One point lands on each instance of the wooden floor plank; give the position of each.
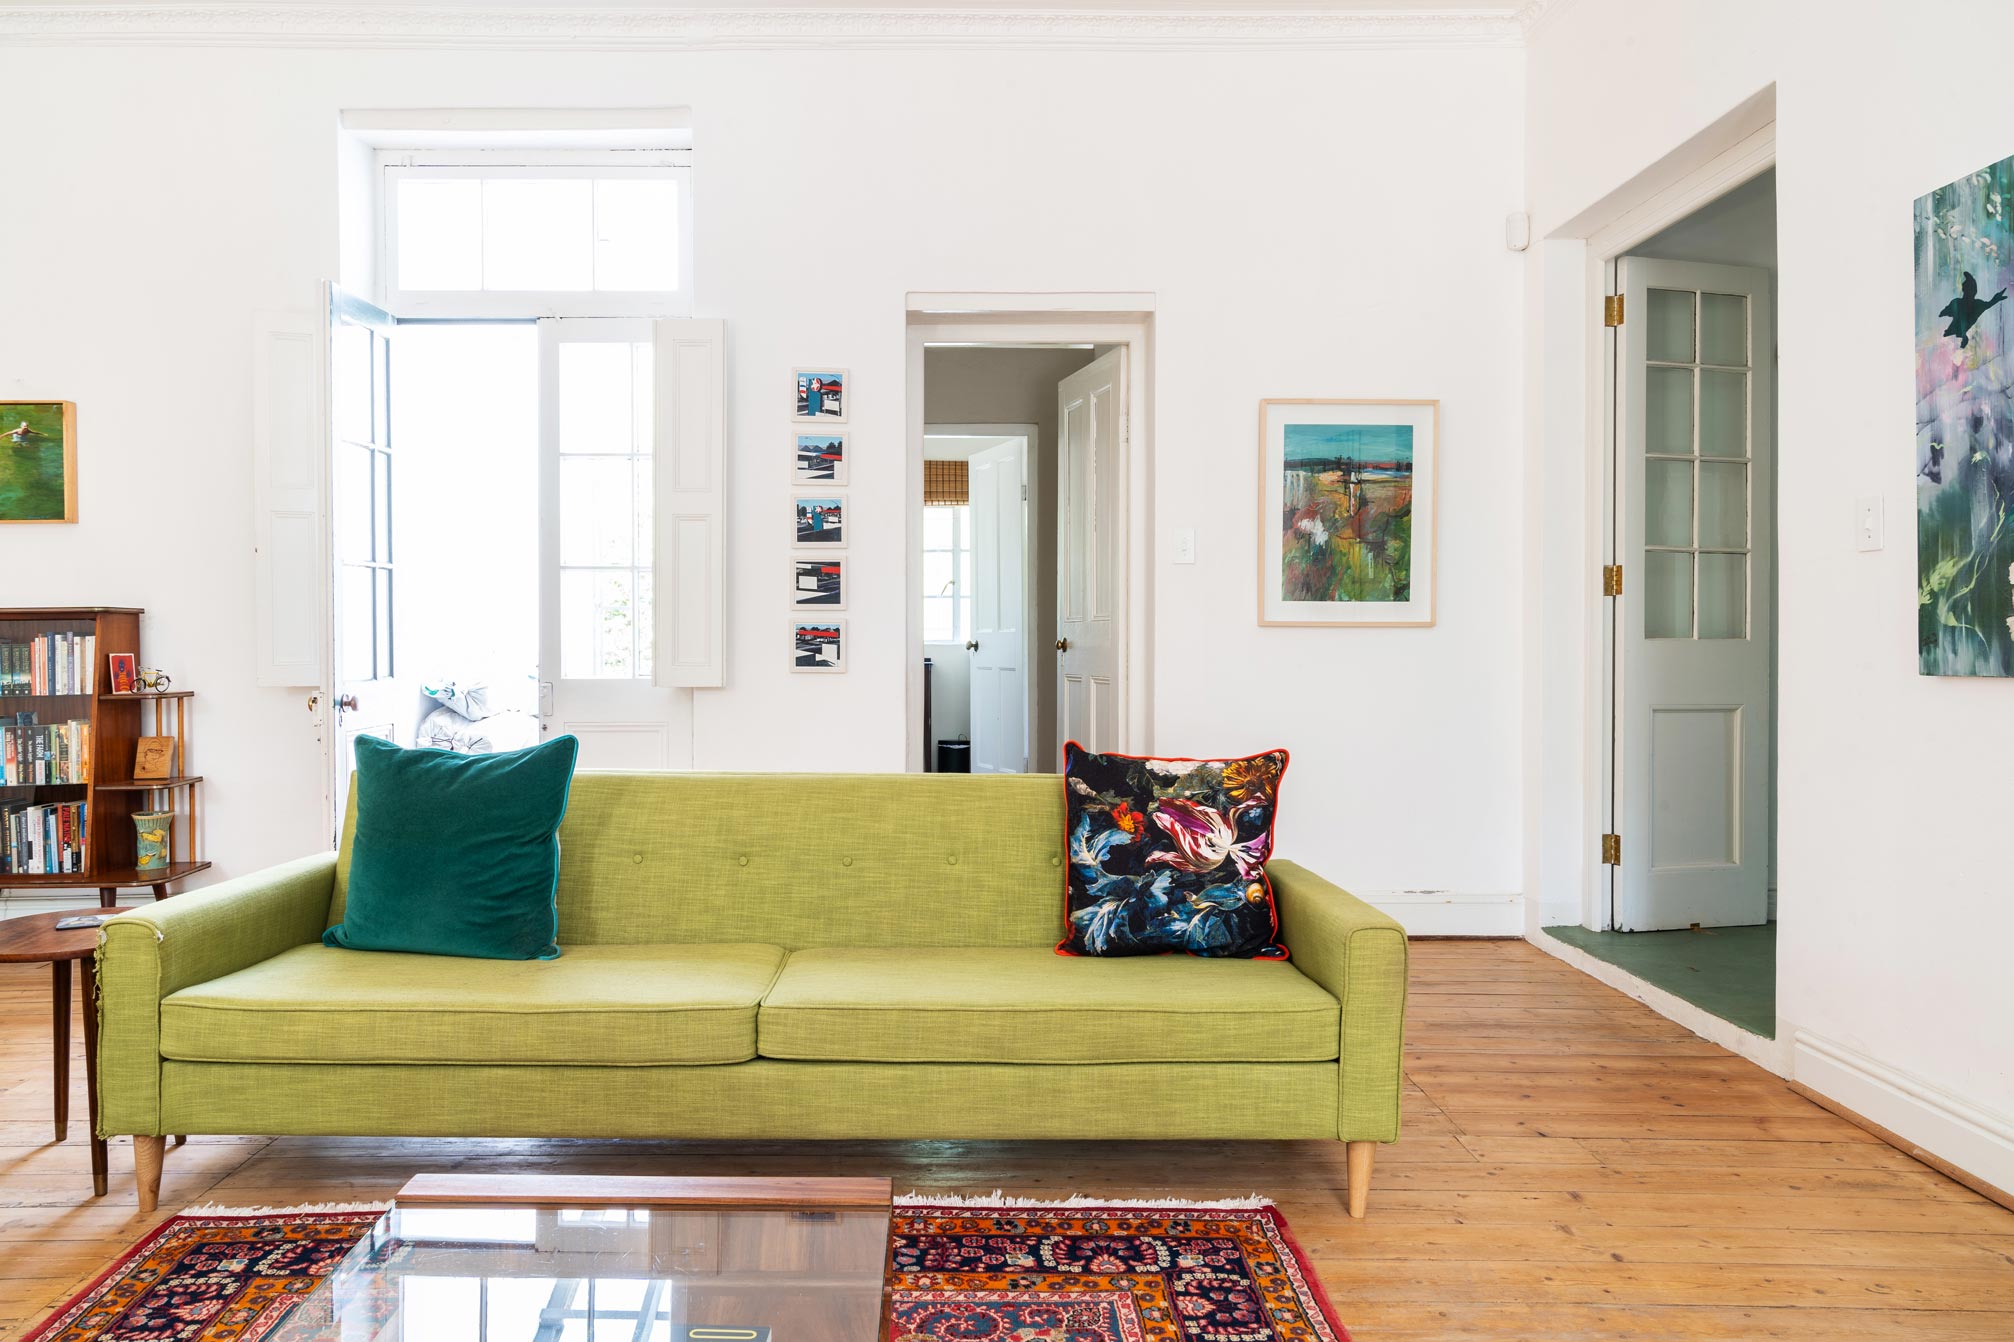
(1574, 1167)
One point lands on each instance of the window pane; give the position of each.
(355, 507)
(440, 234)
(350, 381)
(1667, 595)
(1723, 596)
(1723, 413)
(642, 421)
(538, 233)
(1669, 326)
(381, 506)
(596, 624)
(938, 528)
(1723, 329)
(646, 623)
(939, 620)
(643, 551)
(1668, 411)
(595, 397)
(635, 235)
(1667, 503)
(937, 573)
(1723, 509)
(596, 521)
(385, 667)
(360, 626)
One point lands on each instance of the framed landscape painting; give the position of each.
(1346, 511)
(1965, 427)
(38, 461)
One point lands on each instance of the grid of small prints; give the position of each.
(821, 458)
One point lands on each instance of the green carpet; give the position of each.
(1730, 971)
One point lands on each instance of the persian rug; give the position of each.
(965, 1270)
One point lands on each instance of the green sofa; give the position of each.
(755, 956)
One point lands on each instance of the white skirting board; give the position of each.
(1446, 913)
(1954, 1130)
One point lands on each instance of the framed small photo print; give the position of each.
(818, 583)
(821, 521)
(821, 459)
(818, 645)
(124, 671)
(821, 395)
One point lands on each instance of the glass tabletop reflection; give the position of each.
(606, 1274)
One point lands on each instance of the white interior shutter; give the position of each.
(691, 520)
(290, 486)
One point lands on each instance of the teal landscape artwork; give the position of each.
(1965, 426)
(1347, 513)
(38, 461)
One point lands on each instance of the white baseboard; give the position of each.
(1773, 1054)
(1444, 913)
(1948, 1126)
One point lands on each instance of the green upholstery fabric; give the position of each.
(456, 854)
(162, 948)
(762, 1100)
(797, 860)
(621, 1006)
(1359, 955)
(1030, 1005)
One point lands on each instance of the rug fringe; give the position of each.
(998, 1198)
(298, 1209)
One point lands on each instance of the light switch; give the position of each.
(1185, 545)
(1867, 522)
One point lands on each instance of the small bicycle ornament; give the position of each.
(152, 680)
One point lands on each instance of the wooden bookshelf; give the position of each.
(115, 723)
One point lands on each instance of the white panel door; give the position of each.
(999, 637)
(1091, 436)
(1694, 536)
(598, 555)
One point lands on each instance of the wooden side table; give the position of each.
(34, 938)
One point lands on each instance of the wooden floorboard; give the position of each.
(1574, 1167)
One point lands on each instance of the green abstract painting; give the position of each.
(38, 461)
(1965, 426)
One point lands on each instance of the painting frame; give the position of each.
(807, 479)
(803, 609)
(1422, 416)
(822, 538)
(845, 397)
(64, 414)
(798, 625)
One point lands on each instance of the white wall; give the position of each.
(1894, 915)
(1312, 223)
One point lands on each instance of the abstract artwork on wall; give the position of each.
(818, 645)
(821, 395)
(38, 461)
(821, 521)
(818, 583)
(1346, 511)
(1965, 426)
(821, 459)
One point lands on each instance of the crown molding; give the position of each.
(681, 29)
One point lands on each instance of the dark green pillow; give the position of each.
(456, 854)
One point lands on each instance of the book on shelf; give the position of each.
(57, 663)
(38, 754)
(42, 840)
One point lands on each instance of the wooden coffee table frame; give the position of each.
(33, 938)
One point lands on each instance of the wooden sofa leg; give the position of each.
(147, 1153)
(1360, 1176)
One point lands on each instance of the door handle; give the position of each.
(1062, 645)
(972, 645)
(314, 702)
(346, 703)
(545, 698)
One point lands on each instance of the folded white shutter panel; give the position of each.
(290, 573)
(690, 586)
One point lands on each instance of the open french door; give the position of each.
(1694, 537)
(631, 545)
(1091, 432)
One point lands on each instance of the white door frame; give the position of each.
(1031, 435)
(1022, 320)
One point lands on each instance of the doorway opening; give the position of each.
(1690, 851)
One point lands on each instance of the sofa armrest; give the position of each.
(1359, 955)
(147, 953)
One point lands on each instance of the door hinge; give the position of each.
(1611, 580)
(1611, 310)
(1611, 850)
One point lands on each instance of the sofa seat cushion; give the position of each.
(641, 1005)
(1033, 1006)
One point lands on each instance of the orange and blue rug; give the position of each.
(983, 1270)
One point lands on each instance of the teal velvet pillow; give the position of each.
(456, 854)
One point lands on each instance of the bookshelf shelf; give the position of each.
(58, 715)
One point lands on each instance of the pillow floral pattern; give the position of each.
(1170, 855)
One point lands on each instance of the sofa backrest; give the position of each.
(800, 860)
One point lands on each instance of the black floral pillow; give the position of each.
(1170, 855)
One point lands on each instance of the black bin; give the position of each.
(954, 757)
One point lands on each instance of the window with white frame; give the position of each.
(947, 573)
(511, 233)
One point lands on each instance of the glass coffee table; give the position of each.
(487, 1258)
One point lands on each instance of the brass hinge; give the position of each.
(1611, 850)
(1611, 310)
(1611, 580)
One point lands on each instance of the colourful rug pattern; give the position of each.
(962, 1274)
(1103, 1274)
(214, 1278)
